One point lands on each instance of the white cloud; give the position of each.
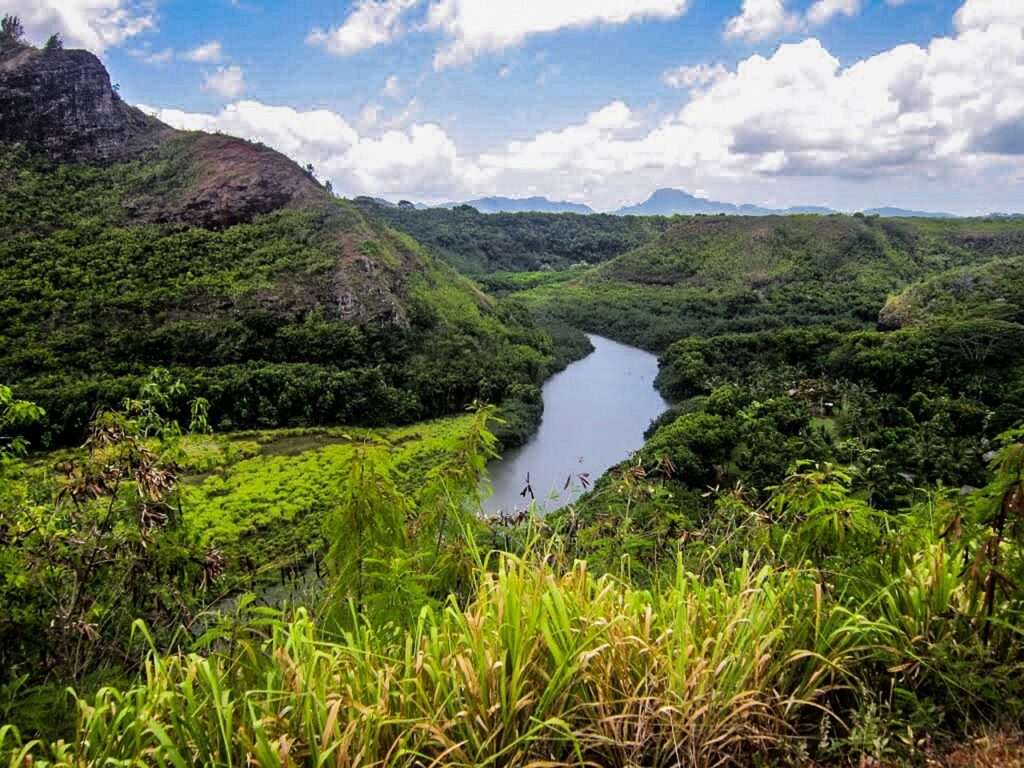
(228, 82)
(421, 161)
(371, 23)
(475, 27)
(393, 87)
(590, 147)
(760, 20)
(149, 56)
(823, 11)
(694, 76)
(207, 52)
(91, 24)
(950, 111)
(977, 14)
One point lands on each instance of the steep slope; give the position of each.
(63, 102)
(130, 246)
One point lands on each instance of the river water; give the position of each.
(595, 414)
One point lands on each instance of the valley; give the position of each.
(293, 479)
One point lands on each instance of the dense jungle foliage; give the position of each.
(481, 243)
(311, 316)
(812, 625)
(817, 556)
(888, 415)
(710, 275)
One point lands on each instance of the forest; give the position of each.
(244, 456)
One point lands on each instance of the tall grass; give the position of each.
(539, 668)
(841, 640)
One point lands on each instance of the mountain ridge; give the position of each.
(668, 201)
(535, 204)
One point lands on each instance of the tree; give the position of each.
(13, 414)
(55, 43)
(11, 29)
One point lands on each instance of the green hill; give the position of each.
(994, 290)
(479, 244)
(708, 275)
(129, 246)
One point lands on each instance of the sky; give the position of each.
(851, 104)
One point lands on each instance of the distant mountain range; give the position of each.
(522, 205)
(670, 202)
(903, 213)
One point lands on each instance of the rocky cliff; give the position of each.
(61, 102)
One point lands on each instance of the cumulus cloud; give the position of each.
(588, 146)
(824, 11)
(155, 58)
(761, 20)
(951, 110)
(421, 160)
(935, 109)
(766, 19)
(92, 24)
(205, 53)
(977, 14)
(371, 23)
(694, 76)
(228, 82)
(475, 27)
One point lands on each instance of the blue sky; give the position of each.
(848, 103)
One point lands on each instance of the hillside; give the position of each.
(478, 244)
(707, 275)
(994, 290)
(129, 245)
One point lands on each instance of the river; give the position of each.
(595, 415)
